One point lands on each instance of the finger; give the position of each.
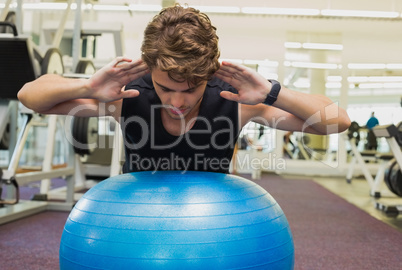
(124, 65)
(130, 93)
(133, 64)
(122, 62)
(115, 61)
(236, 74)
(232, 67)
(138, 73)
(230, 96)
(119, 59)
(135, 68)
(231, 78)
(223, 73)
(228, 79)
(228, 69)
(142, 67)
(226, 75)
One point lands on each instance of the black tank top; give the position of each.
(207, 146)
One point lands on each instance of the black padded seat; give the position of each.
(16, 65)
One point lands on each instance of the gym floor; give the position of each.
(329, 232)
(357, 193)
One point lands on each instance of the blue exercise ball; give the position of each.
(176, 220)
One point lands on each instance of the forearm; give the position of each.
(51, 90)
(302, 112)
(317, 112)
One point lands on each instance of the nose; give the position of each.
(177, 100)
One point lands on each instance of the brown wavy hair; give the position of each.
(182, 42)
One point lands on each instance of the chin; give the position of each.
(177, 117)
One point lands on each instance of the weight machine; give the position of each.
(390, 172)
(365, 160)
(24, 62)
(381, 187)
(294, 146)
(17, 62)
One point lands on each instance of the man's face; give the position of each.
(179, 98)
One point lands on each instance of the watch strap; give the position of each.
(273, 94)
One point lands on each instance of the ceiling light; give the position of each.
(380, 85)
(302, 84)
(313, 65)
(237, 61)
(218, 9)
(221, 9)
(392, 85)
(145, 7)
(151, 8)
(366, 79)
(322, 46)
(366, 66)
(110, 7)
(280, 11)
(359, 13)
(265, 63)
(333, 85)
(370, 85)
(334, 78)
(360, 93)
(293, 45)
(394, 66)
(314, 46)
(272, 76)
(358, 79)
(382, 92)
(385, 78)
(45, 6)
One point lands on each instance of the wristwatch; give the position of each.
(273, 94)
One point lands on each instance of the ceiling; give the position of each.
(262, 36)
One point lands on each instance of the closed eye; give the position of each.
(188, 91)
(166, 90)
(191, 90)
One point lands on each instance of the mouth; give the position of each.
(177, 111)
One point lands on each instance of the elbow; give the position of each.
(340, 126)
(340, 121)
(344, 122)
(22, 95)
(344, 125)
(25, 97)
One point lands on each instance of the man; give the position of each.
(372, 122)
(181, 109)
(372, 143)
